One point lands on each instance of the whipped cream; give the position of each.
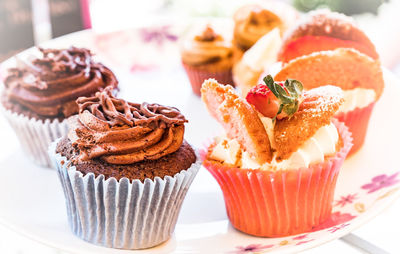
(357, 98)
(269, 128)
(264, 52)
(314, 150)
(227, 151)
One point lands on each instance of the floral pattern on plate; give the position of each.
(140, 50)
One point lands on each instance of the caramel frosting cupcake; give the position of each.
(207, 54)
(253, 21)
(39, 95)
(131, 157)
(208, 48)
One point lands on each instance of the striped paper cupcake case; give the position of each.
(35, 135)
(124, 214)
(282, 202)
(197, 77)
(357, 121)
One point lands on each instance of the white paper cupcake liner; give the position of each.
(35, 135)
(122, 214)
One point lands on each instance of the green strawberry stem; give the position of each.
(288, 98)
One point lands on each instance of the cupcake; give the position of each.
(40, 95)
(207, 54)
(314, 46)
(125, 169)
(324, 30)
(357, 74)
(253, 21)
(278, 162)
(260, 57)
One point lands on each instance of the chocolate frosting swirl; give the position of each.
(49, 86)
(207, 47)
(251, 23)
(120, 132)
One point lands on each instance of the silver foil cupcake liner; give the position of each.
(36, 135)
(122, 214)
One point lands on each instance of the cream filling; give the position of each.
(314, 150)
(226, 150)
(357, 98)
(264, 52)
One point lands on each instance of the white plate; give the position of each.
(32, 201)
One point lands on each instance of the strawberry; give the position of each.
(276, 100)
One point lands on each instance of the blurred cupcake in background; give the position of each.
(207, 53)
(39, 95)
(325, 30)
(359, 76)
(329, 48)
(125, 169)
(253, 21)
(260, 57)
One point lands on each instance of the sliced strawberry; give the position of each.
(276, 100)
(264, 101)
(308, 44)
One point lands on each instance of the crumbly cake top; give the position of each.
(317, 109)
(343, 67)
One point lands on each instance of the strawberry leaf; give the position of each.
(294, 87)
(288, 95)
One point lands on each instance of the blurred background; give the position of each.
(25, 23)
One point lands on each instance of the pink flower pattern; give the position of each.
(336, 228)
(300, 237)
(344, 200)
(381, 181)
(335, 219)
(158, 35)
(303, 242)
(251, 248)
(141, 68)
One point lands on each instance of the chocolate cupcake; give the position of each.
(125, 169)
(40, 95)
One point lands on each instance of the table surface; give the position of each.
(383, 231)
